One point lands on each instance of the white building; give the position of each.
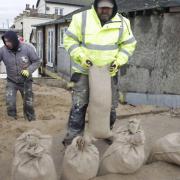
(29, 17)
(59, 7)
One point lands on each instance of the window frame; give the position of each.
(50, 47)
(40, 44)
(59, 11)
(62, 31)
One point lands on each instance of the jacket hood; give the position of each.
(13, 38)
(115, 8)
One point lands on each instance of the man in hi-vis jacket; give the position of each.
(98, 36)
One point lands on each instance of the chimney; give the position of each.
(27, 7)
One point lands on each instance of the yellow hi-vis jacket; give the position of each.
(87, 39)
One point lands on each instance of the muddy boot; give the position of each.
(12, 118)
(76, 123)
(109, 140)
(29, 113)
(29, 118)
(69, 138)
(11, 114)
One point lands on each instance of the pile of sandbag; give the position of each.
(81, 160)
(167, 149)
(32, 160)
(126, 154)
(100, 98)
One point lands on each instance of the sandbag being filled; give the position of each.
(100, 99)
(81, 160)
(126, 154)
(32, 160)
(167, 149)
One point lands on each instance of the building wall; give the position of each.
(27, 25)
(2, 66)
(17, 23)
(67, 8)
(63, 58)
(155, 66)
(42, 7)
(51, 8)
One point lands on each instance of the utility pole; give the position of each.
(22, 29)
(7, 23)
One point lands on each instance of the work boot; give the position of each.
(69, 138)
(109, 140)
(29, 117)
(76, 123)
(12, 118)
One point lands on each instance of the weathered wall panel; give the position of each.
(155, 66)
(130, 5)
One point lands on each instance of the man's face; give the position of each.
(104, 13)
(8, 43)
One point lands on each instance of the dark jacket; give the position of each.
(15, 61)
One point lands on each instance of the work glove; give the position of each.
(86, 64)
(25, 73)
(114, 68)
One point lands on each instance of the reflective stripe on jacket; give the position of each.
(87, 39)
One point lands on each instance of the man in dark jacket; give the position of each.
(21, 61)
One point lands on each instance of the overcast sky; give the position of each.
(11, 8)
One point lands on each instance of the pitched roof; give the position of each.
(69, 2)
(63, 19)
(133, 5)
(123, 6)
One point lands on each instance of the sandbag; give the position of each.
(126, 154)
(100, 99)
(32, 160)
(167, 149)
(81, 160)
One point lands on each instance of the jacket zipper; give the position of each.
(16, 67)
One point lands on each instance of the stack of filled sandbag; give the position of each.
(32, 160)
(81, 160)
(126, 154)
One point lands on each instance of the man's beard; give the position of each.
(104, 17)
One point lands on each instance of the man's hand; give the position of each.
(114, 68)
(25, 73)
(86, 64)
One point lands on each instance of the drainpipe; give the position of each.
(22, 29)
(44, 51)
(56, 48)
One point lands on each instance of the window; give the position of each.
(61, 36)
(59, 11)
(56, 11)
(51, 47)
(40, 44)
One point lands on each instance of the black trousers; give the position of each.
(27, 95)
